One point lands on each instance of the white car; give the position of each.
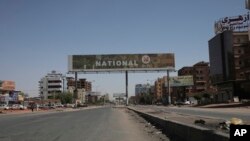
(187, 102)
(4, 107)
(18, 107)
(21, 107)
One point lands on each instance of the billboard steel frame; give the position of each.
(141, 65)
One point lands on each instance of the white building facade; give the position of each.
(51, 84)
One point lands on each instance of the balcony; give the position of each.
(200, 88)
(54, 84)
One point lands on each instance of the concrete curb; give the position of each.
(177, 131)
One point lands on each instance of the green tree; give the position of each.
(21, 93)
(197, 97)
(148, 98)
(65, 97)
(206, 95)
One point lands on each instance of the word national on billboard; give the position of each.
(121, 62)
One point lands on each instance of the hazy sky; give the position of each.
(36, 36)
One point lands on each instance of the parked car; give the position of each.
(69, 105)
(59, 105)
(187, 102)
(4, 107)
(159, 104)
(18, 107)
(52, 106)
(182, 103)
(44, 106)
(82, 105)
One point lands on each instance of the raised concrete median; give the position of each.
(178, 131)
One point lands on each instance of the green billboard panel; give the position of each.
(180, 81)
(121, 62)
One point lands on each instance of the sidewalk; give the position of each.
(17, 112)
(13, 112)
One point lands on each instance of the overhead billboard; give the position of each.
(180, 81)
(120, 62)
(119, 95)
(234, 23)
(7, 85)
(13, 96)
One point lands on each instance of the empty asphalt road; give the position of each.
(100, 124)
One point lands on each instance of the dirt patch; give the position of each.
(152, 132)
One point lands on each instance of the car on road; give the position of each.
(4, 107)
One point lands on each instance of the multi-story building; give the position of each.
(160, 89)
(142, 89)
(201, 76)
(51, 84)
(229, 54)
(241, 51)
(185, 71)
(6, 86)
(83, 86)
(200, 72)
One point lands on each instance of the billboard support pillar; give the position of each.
(75, 91)
(126, 77)
(169, 90)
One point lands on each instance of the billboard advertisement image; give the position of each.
(180, 81)
(121, 62)
(7, 85)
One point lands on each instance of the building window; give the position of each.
(239, 51)
(237, 40)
